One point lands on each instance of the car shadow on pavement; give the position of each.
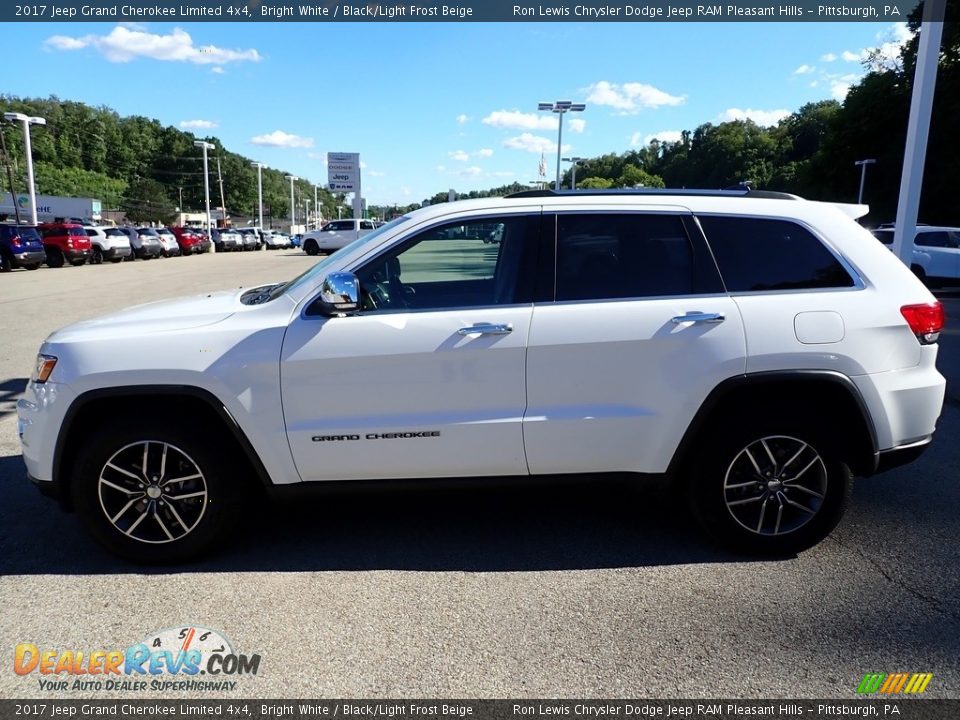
(570, 525)
(10, 390)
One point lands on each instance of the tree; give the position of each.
(595, 183)
(146, 200)
(634, 176)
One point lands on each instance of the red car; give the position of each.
(65, 242)
(191, 240)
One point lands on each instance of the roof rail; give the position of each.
(743, 192)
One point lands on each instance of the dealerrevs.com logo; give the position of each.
(183, 658)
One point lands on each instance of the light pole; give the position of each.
(206, 189)
(863, 175)
(560, 107)
(316, 205)
(259, 167)
(306, 218)
(292, 178)
(27, 121)
(573, 170)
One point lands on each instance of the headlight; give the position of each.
(45, 365)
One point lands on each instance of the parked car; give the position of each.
(755, 349)
(65, 242)
(276, 240)
(145, 246)
(295, 240)
(935, 255)
(334, 235)
(252, 237)
(20, 247)
(227, 240)
(190, 240)
(107, 243)
(168, 242)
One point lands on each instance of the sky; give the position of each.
(437, 106)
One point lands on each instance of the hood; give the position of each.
(156, 317)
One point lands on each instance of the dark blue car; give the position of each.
(20, 246)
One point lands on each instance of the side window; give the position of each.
(366, 225)
(758, 254)
(604, 256)
(453, 266)
(933, 239)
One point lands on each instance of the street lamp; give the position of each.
(560, 107)
(573, 170)
(206, 188)
(27, 121)
(292, 178)
(863, 175)
(316, 206)
(259, 167)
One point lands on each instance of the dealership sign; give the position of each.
(343, 172)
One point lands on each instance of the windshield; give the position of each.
(320, 268)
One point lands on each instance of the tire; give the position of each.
(310, 247)
(31, 266)
(759, 506)
(97, 257)
(54, 258)
(6, 264)
(78, 263)
(117, 260)
(141, 516)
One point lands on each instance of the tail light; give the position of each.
(15, 241)
(925, 321)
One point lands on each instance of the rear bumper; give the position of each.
(33, 257)
(895, 457)
(71, 255)
(116, 252)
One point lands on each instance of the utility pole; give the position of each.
(223, 203)
(206, 188)
(259, 167)
(6, 161)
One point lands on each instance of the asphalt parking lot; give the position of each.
(583, 590)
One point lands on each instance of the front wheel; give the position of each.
(54, 258)
(153, 494)
(769, 489)
(310, 247)
(97, 257)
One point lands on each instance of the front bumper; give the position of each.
(895, 457)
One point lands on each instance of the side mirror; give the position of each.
(339, 295)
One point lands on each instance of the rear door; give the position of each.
(637, 330)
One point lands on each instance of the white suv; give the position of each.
(935, 255)
(757, 348)
(335, 235)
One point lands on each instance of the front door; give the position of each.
(428, 380)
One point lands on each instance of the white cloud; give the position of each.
(763, 118)
(839, 90)
(462, 119)
(464, 156)
(459, 155)
(502, 173)
(483, 153)
(533, 143)
(804, 70)
(664, 136)
(125, 43)
(630, 98)
(472, 171)
(892, 41)
(198, 124)
(278, 138)
(376, 173)
(217, 70)
(852, 57)
(829, 57)
(516, 120)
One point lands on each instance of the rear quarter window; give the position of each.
(757, 254)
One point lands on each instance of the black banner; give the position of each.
(457, 11)
(900, 708)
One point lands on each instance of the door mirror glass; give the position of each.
(339, 294)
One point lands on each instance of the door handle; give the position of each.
(698, 317)
(486, 329)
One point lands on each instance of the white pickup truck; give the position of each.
(335, 234)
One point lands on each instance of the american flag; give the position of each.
(543, 166)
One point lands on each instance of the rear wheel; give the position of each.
(97, 257)
(769, 488)
(54, 258)
(310, 247)
(78, 263)
(31, 266)
(154, 494)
